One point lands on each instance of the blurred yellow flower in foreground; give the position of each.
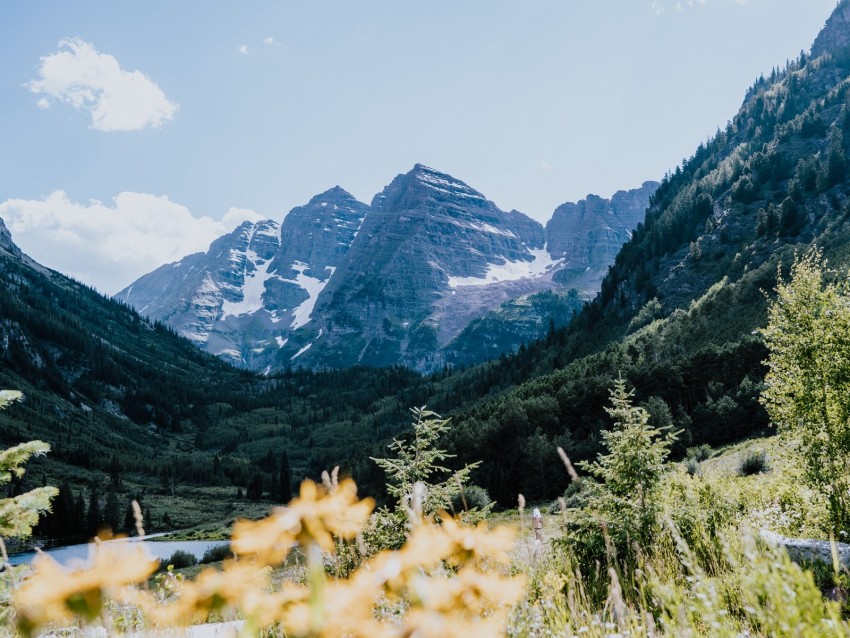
(441, 580)
(53, 593)
(316, 516)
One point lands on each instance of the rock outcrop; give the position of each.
(835, 36)
(587, 235)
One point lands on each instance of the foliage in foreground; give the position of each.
(447, 580)
(808, 384)
(19, 514)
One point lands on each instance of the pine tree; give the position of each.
(419, 462)
(112, 511)
(632, 469)
(255, 488)
(285, 478)
(94, 518)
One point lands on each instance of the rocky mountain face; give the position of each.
(587, 235)
(242, 298)
(6, 243)
(775, 180)
(340, 283)
(432, 254)
(834, 38)
(514, 323)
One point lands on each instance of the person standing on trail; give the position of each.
(537, 524)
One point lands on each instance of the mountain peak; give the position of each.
(422, 183)
(835, 35)
(433, 177)
(6, 242)
(335, 194)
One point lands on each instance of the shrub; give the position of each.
(181, 559)
(699, 453)
(473, 497)
(691, 466)
(754, 463)
(217, 553)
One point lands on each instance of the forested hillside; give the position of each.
(677, 312)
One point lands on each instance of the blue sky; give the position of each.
(133, 133)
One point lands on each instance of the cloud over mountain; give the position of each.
(118, 100)
(111, 244)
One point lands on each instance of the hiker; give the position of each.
(537, 524)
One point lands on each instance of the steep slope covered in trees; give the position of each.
(677, 310)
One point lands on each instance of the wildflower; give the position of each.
(314, 517)
(53, 593)
(212, 590)
(470, 591)
(478, 543)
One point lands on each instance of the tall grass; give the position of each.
(706, 571)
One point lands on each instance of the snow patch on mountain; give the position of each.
(302, 314)
(446, 184)
(253, 287)
(300, 352)
(541, 263)
(487, 228)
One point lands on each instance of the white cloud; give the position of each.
(270, 41)
(111, 245)
(243, 49)
(118, 100)
(546, 166)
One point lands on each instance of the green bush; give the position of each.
(699, 453)
(473, 497)
(181, 559)
(217, 553)
(754, 463)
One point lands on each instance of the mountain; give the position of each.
(340, 283)
(242, 298)
(587, 235)
(129, 406)
(432, 254)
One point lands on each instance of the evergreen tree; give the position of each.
(255, 488)
(129, 521)
(285, 478)
(418, 461)
(112, 511)
(94, 517)
(632, 468)
(62, 518)
(19, 514)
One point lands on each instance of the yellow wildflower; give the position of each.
(238, 586)
(53, 593)
(316, 516)
(478, 543)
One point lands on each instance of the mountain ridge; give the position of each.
(393, 282)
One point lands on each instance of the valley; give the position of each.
(664, 373)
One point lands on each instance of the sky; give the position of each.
(134, 133)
